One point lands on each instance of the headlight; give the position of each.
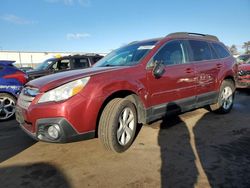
(241, 73)
(65, 91)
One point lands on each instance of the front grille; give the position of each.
(26, 97)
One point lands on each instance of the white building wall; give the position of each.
(32, 59)
(28, 58)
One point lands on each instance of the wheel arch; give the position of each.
(126, 94)
(9, 93)
(231, 78)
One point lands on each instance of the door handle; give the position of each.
(219, 66)
(189, 70)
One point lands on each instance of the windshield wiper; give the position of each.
(107, 65)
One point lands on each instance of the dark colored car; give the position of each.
(243, 80)
(54, 65)
(26, 69)
(11, 82)
(138, 83)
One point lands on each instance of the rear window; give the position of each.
(201, 50)
(221, 51)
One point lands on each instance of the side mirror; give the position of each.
(159, 69)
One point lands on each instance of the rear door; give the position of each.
(207, 67)
(175, 89)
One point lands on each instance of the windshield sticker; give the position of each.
(148, 47)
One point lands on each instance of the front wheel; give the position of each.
(225, 99)
(117, 125)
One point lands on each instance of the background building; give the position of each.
(32, 59)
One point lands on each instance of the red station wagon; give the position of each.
(138, 83)
(243, 79)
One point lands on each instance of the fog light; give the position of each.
(54, 131)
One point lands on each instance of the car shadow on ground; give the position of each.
(33, 175)
(243, 91)
(211, 151)
(222, 144)
(12, 140)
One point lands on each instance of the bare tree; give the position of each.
(246, 45)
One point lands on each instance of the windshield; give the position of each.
(127, 55)
(44, 65)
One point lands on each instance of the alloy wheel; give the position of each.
(227, 97)
(7, 108)
(126, 126)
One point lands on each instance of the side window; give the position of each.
(79, 63)
(63, 64)
(54, 66)
(221, 51)
(201, 50)
(172, 53)
(1, 68)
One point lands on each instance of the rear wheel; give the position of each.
(225, 98)
(117, 125)
(7, 106)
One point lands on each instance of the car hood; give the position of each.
(49, 82)
(244, 67)
(33, 71)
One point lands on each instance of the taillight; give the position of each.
(20, 76)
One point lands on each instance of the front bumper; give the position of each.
(243, 83)
(67, 132)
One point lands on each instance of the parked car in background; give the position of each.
(26, 69)
(138, 83)
(11, 81)
(54, 65)
(243, 59)
(243, 80)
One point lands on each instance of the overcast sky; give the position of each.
(102, 25)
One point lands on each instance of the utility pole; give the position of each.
(20, 60)
(31, 60)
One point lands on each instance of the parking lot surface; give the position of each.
(195, 149)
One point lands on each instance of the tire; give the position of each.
(225, 99)
(115, 131)
(7, 106)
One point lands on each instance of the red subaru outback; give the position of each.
(243, 80)
(138, 83)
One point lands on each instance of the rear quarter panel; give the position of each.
(229, 71)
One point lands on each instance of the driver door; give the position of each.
(176, 88)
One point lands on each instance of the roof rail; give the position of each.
(186, 34)
(91, 54)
